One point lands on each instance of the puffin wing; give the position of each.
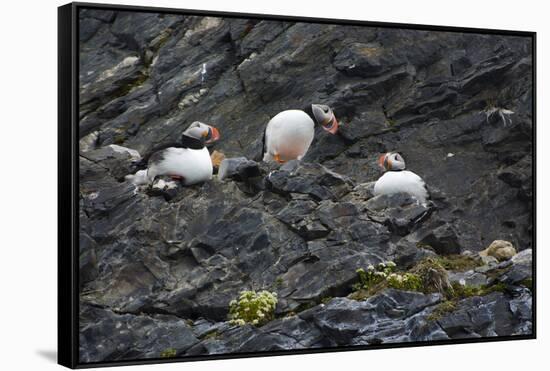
(153, 153)
(156, 153)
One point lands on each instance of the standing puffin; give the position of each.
(397, 179)
(188, 161)
(289, 134)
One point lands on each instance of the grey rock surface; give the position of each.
(158, 267)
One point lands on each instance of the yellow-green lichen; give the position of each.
(168, 353)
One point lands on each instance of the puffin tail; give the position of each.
(139, 178)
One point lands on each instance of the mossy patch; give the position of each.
(444, 308)
(428, 276)
(168, 353)
(127, 88)
(458, 263)
(528, 282)
(468, 291)
(211, 335)
(326, 299)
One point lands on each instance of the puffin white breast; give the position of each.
(289, 135)
(194, 165)
(402, 181)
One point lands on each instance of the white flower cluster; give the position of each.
(251, 307)
(374, 275)
(385, 272)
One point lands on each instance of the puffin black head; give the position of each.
(325, 117)
(391, 161)
(201, 132)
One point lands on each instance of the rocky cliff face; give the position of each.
(158, 266)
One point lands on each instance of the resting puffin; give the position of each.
(289, 134)
(397, 179)
(188, 161)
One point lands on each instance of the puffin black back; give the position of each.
(228, 179)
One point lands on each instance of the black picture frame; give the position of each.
(68, 173)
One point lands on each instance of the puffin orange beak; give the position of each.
(382, 160)
(332, 126)
(214, 135)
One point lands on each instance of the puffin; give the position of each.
(187, 160)
(396, 179)
(289, 134)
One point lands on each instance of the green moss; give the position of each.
(360, 295)
(119, 139)
(405, 281)
(279, 282)
(528, 282)
(125, 89)
(444, 308)
(459, 263)
(253, 308)
(326, 299)
(212, 335)
(168, 353)
(304, 306)
(162, 38)
(468, 291)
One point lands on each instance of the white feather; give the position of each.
(289, 134)
(194, 165)
(138, 178)
(401, 181)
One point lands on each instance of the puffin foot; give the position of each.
(278, 159)
(177, 177)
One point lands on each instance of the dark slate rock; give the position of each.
(485, 316)
(88, 269)
(443, 240)
(118, 161)
(399, 211)
(239, 168)
(113, 337)
(517, 269)
(308, 178)
(384, 318)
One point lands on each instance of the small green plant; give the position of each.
(168, 353)
(405, 281)
(253, 308)
(442, 309)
